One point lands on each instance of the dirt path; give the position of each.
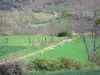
(46, 49)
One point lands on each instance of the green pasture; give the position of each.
(20, 45)
(43, 16)
(40, 25)
(68, 72)
(21, 40)
(74, 50)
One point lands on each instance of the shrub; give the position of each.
(40, 64)
(91, 65)
(46, 64)
(98, 21)
(65, 33)
(70, 64)
(61, 34)
(29, 66)
(54, 64)
(13, 68)
(8, 33)
(66, 63)
(77, 65)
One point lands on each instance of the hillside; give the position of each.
(37, 5)
(49, 37)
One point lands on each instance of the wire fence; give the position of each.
(28, 41)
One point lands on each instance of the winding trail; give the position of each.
(46, 49)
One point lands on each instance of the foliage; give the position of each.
(8, 33)
(61, 34)
(12, 68)
(98, 21)
(64, 13)
(65, 33)
(70, 64)
(91, 65)
(50, 64)
(23, 22)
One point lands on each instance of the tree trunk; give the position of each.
(86, 46)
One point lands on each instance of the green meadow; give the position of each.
(74, 49)
(20, 45)
(23, 45)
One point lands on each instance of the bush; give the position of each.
(91, 65)
(66, 63)
(14, 68)
(61, 34)
(64, 33)
(98, 21)
(46, 64)
(77, 65)
(8, 33)
(54, 64)
(70, 64)
(30, 66)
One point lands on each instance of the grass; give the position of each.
(74, 50)
(43, 16)
(19, 45)
(44, 24)
(68, 72)
(10, 49)
(20, 40)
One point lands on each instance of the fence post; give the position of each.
(45, 39)
(29, 40)
(52, 39)
(42, 41)
(6, 40)
(38, 39)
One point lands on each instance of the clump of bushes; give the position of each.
(98, 21)
(91, 65)
(50, 64)
(61, 34)
(67, 33)
(12, 68)
(8, 33)
(70, 64)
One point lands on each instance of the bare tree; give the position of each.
(94, 29)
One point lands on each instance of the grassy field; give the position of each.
(43, 16)
(20, 40)
(68, 72)
(74, 50)
(40, 25)
(20, 45)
